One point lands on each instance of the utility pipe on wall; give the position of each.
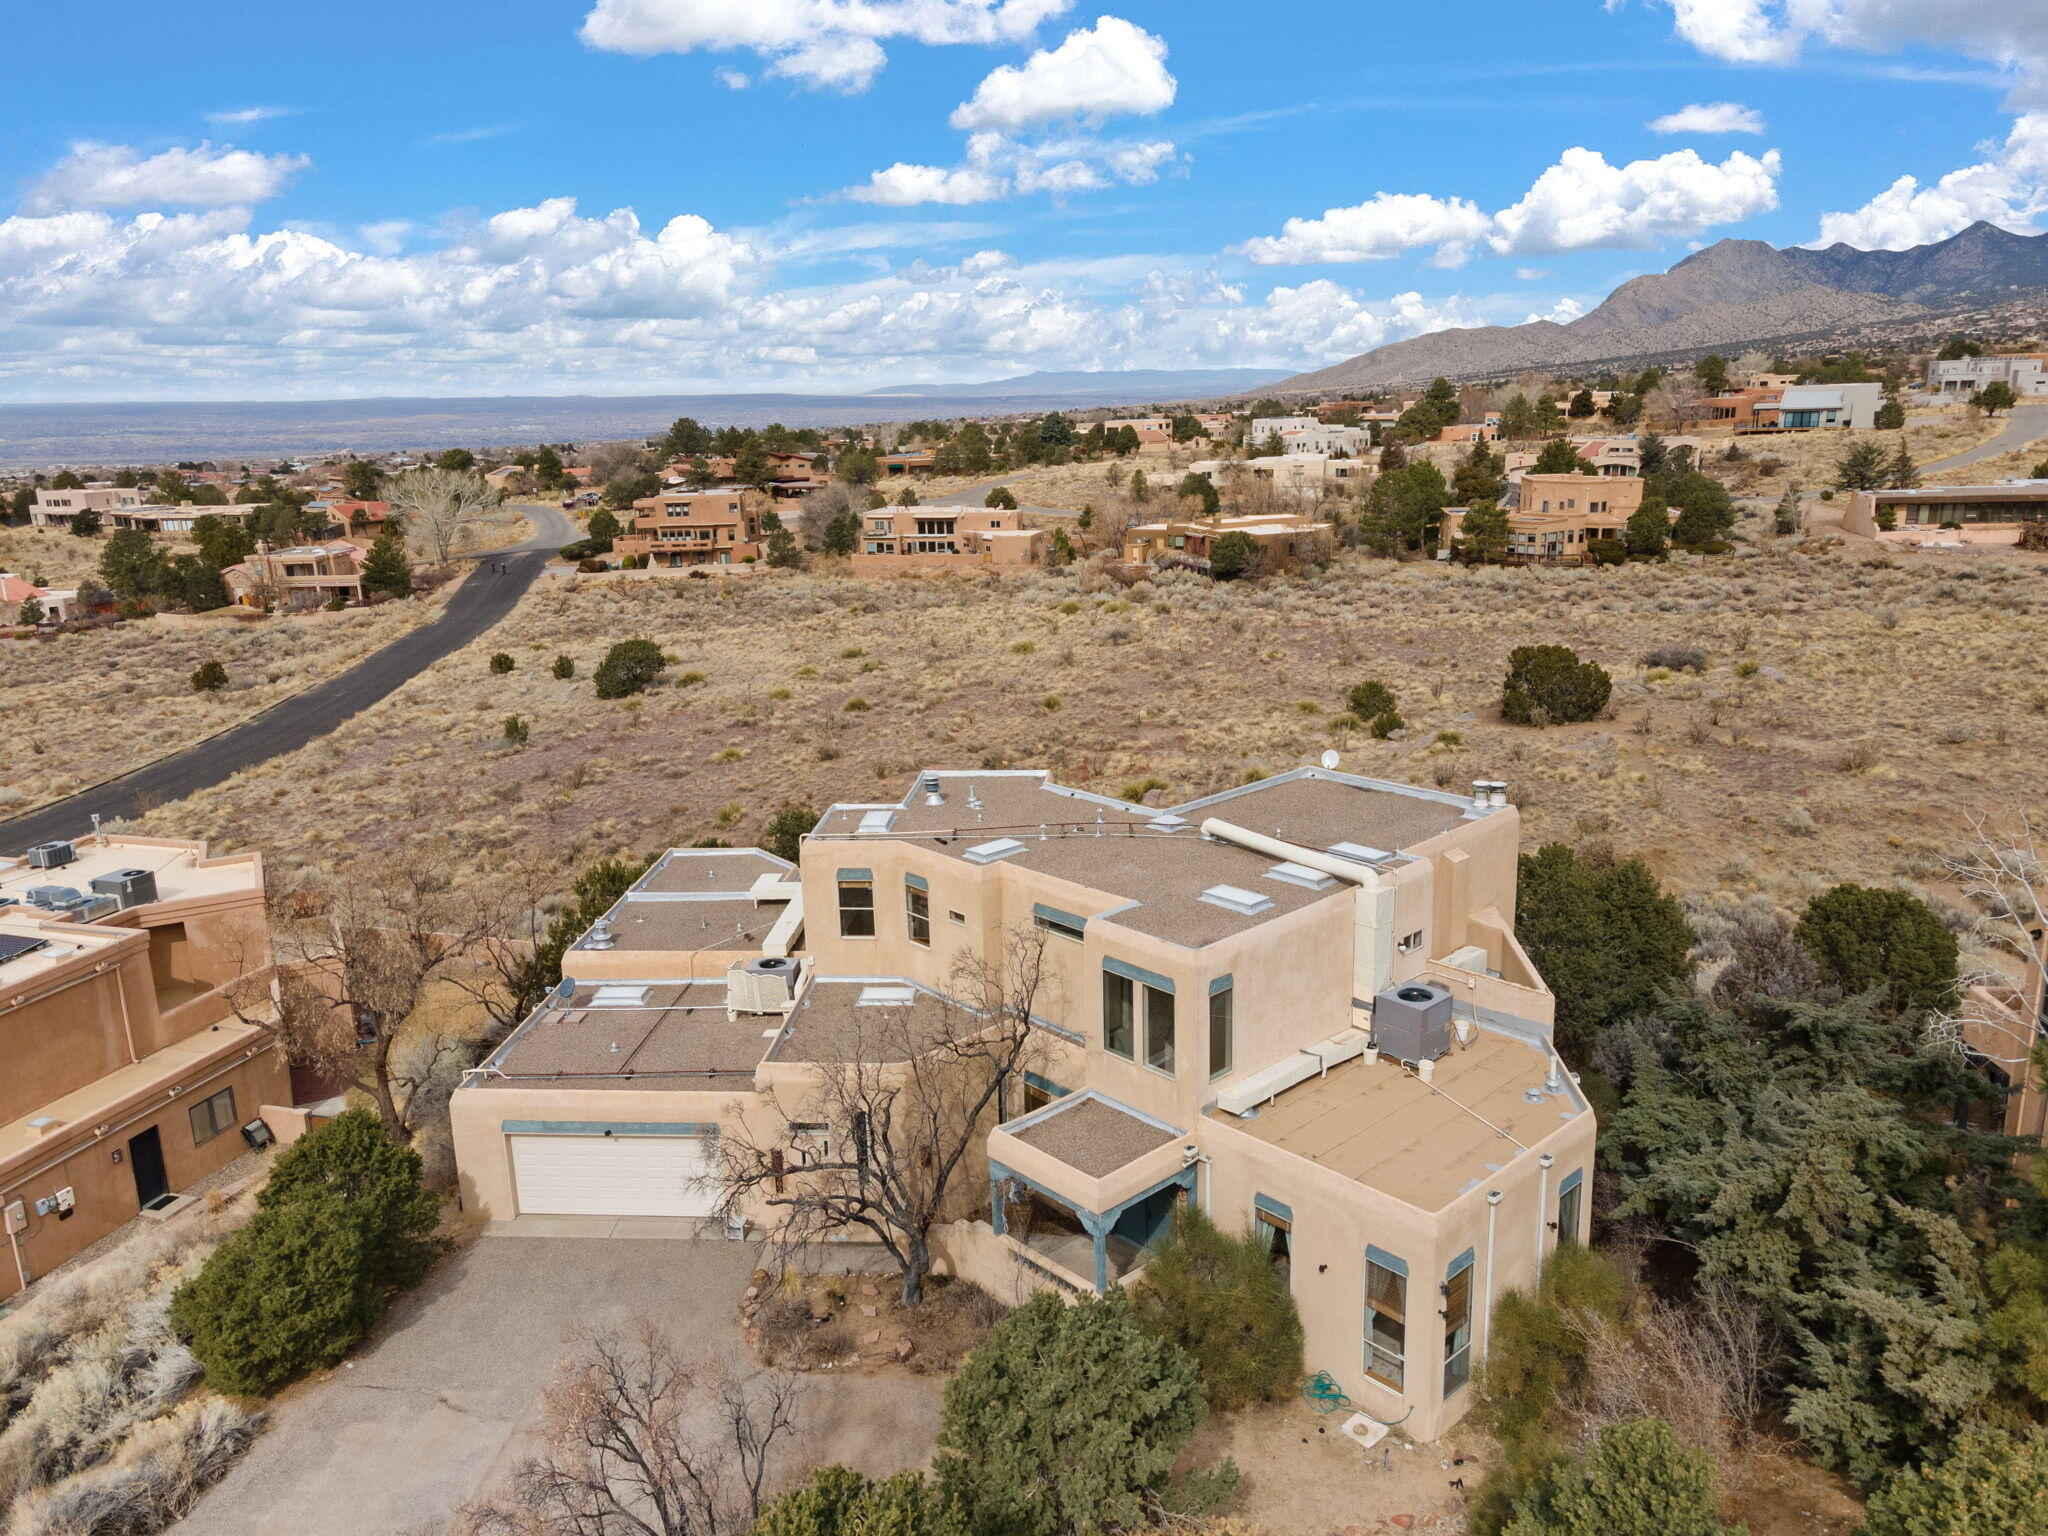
(1542, 1204)
(1486, 1298)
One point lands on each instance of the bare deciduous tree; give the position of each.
(442, 509)
(354, 956)
(908, 1098)
(635, 1440)
(2003, 871)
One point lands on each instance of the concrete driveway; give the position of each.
(2024, 424)
(436, 1411)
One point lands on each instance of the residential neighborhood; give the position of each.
(983, 768)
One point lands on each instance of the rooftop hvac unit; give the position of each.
(51, 855)
(128, 887)
(54, 898)
(90, 908)
(1412, 1022)
(764, 985)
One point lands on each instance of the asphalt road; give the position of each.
(2025, 424)
(490, 592)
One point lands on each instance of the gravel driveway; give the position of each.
(433, 1413)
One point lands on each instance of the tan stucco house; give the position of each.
(1299, 1003)
(124, 1075)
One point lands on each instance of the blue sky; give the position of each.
(614, 196)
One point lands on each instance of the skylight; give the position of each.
(1359, 852)
(876, 821)
(1291, 873)
(887, 996)
(618, 997)
(988, 853)
(1233, 898)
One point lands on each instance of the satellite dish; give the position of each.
(1329, 757)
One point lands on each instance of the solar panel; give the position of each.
(13, 946)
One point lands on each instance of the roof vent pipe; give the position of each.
(931, 790)
(1497, 793)
(1481, 789)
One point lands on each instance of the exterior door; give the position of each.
(624, 1175)
(146, 1161)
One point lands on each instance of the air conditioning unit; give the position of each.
(89, 909)
(128, 887)
(1411, 1022)
(765, 985)
(54, 898)
(51, 855)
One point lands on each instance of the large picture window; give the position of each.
(1386, 1318)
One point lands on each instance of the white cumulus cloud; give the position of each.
(1709, 117)
(2011, 34)
(546, 297)
(2008, 187)
(829, 43)
(1581, 203)
(903, 186)
(117, 176)
(243, 115)
(1112, 68)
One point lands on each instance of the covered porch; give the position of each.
(1086, 1186)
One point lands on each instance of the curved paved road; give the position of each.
(486, 597)
(2026, 424)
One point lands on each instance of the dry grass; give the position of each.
(50, 557)
(1808, 459)
(102, 1426)
(1851, 714)
(82, 707)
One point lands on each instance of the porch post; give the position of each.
(1097, 1226)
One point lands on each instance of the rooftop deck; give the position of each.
(1422, 1143)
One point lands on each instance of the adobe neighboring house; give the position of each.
(1263, 427)
(681, 528)
(59, 604)
(900, 539)
(506, 477)
(1736, 409)
(1307, 475)
(1487, 431)
(303, 577)
(127, 1076)
(1949, 514)
(1958, 378)
(1279, 535)
(369, 517)
(911, 462)
(1556, 518)
(1299, 1003)
(793, 476)
(55, 509)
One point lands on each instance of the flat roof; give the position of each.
(2008, 490)
(1094, 1135)
(677, 1037)
(1423, 1143)
(691, 925)
(53, 943)
(87, 1105)
(712, 870)
(1154, 864)
(181, 869)
(868, 1018)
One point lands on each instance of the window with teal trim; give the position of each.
(1568, 1195)
(1119, 1004)
(1458, 1323)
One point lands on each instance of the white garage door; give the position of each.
(621, 1175)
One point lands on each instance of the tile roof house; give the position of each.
(1299, 1002)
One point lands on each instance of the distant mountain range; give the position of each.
(1738, 293)
(1127, 387)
